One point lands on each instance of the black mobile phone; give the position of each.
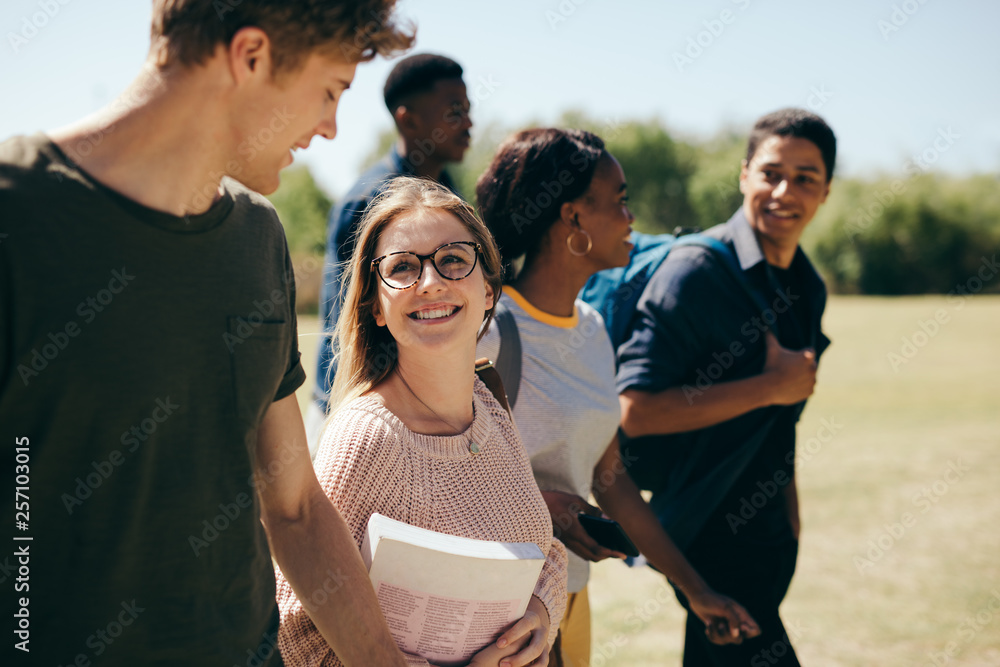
(608, 534)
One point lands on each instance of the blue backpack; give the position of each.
(688, 478)
(615, 293)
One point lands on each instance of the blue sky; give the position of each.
(888, 75)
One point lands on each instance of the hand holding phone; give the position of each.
(608, 534)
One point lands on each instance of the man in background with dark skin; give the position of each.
(149, 357)
(427, 98)
(713, 380)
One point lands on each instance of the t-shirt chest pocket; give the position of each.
(258, 351)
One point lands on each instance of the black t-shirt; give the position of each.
(139, 352)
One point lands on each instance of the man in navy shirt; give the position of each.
(427, 98)
(715, 375)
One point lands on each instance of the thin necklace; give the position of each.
(473, 447)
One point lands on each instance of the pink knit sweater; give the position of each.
(370, 462)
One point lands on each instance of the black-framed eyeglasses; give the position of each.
(452, 261)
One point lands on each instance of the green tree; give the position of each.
(897, 234)
(485, 141)
(656, 167)
(925, 234)
(714, 186)
(303, 209)
(385, 140)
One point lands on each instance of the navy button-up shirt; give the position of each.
(695, 326)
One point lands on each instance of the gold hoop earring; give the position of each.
(569, 243)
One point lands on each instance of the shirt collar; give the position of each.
(750, 254)
(745, 242)
(402, 166)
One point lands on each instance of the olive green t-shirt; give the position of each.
(139, 352)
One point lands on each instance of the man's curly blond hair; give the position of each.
(187, 32)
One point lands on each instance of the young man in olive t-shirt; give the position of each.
(148, 355)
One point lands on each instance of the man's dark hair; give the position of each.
(417, 74)
(521, 193)
(799, 123)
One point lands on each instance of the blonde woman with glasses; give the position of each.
(414, 434)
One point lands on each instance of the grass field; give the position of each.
(900, 554)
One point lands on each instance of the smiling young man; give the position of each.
(427, 98)
(715, 375)
(149, 357)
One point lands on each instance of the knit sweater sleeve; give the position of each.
(551, 587)
(360, 470)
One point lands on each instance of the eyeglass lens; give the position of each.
(453, 261)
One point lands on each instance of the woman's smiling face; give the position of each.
(435, 312)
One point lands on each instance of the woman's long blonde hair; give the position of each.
(366, 353)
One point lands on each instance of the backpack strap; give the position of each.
(685, 500)
(491, 378)
(508, 361)
(731, 264)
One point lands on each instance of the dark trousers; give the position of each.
(757, 577)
